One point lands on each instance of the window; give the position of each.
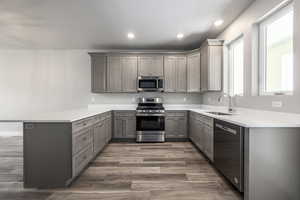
(276, 53)
(236, 67)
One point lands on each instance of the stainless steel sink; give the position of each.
(219, 113)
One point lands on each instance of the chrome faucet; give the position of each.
(230, 102)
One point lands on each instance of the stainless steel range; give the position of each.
(150, 120)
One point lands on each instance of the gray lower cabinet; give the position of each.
(124, 125)
(202, 133)
(56, 153)
(108, 127)
(99, 132)
(176, 124)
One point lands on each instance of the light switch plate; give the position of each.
(276, 104)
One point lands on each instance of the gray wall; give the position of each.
(244, 25)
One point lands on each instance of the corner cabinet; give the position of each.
(211, 65)
(193, 72)
(150, 65)
(175, 71)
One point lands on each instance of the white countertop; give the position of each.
(243, 117)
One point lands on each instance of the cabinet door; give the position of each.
(215, 57)
(108, 129)
(181, 74)
(170, 127)
(130, 127)
(209, 142)
(129, 73)
(192, 130)
(176, 124)
(99, 137)
(204, 68)
(98, 62)
(150, 66)
(200, 135)
(170, 73)
(118, 127)
(114, 74)
(193, 72)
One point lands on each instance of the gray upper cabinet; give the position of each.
(150, 65)
(129, 73)
(193, 72)
(181, 75)
(170, 73)
(175, 71)
(211, 65)
(122, 73)
(98, 63)
(114, 74)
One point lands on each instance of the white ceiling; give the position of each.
(104, 24)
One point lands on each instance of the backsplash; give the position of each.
(131, 98)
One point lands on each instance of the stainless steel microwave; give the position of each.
(150, 84)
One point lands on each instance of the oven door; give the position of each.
(153, 123)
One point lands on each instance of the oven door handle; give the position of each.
(150, 115)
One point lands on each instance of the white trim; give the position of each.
(276, 9)
(276, 13)
(230, 70)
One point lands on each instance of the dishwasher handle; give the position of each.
(227, 129)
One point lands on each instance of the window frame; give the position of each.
(262, 42)
(230, 70)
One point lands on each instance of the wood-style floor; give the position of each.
(123, 171)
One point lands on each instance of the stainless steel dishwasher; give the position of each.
(229, 152)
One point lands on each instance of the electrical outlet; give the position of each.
(93, 99)
(276, 104)
(184, 99)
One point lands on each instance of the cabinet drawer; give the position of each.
(176, 113)
(99, 118)
(204, 119)
(124, 113)
(81, 160)
(82, 139)
(84, 123)
(207, 120)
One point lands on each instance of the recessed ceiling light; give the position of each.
(130, 36)
(218, 22)
(180, 36)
